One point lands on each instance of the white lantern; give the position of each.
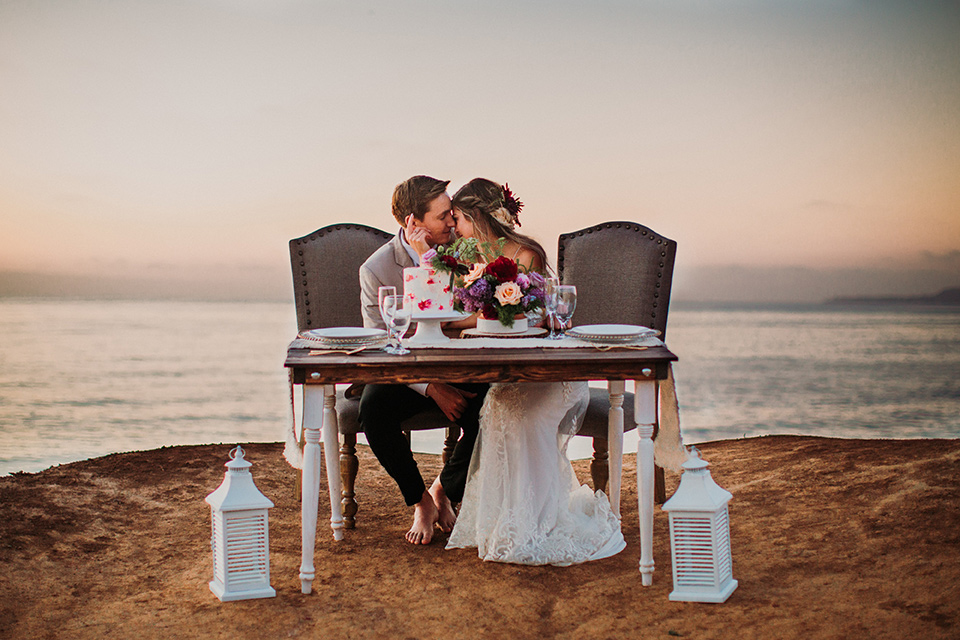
(240, 538)
(700, 536)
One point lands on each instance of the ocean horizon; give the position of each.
(82, 378)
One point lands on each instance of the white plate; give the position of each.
(611, 332)
(345, 334)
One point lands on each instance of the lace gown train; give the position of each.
(523, 503)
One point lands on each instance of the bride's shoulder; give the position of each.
(529, 259)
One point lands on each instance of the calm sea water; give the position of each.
(80, 379)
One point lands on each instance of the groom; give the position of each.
(422, 208)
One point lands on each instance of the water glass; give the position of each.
(550, 304)
(397, 313)
(566, 303)
(382, 293)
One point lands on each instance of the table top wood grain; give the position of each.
(480, 365)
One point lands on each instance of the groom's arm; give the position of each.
(369, 293)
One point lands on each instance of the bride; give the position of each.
(523, 503)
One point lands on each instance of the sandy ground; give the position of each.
(831, 539)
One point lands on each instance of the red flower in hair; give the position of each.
(512, 204)
(503, 269)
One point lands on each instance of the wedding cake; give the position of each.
(430, 291)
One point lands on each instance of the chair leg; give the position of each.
(349, 465)
(599, 467)
(450, 442)
(659, 485)
(600, 472)
(298, 485)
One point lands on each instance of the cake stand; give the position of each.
(429, 330)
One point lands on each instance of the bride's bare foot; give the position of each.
(425, 517)
(447, 516)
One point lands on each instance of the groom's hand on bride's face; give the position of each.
(417, 236)
(452, 401)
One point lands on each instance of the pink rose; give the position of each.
(508, 293)
(475, 272)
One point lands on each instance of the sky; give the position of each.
(795, 149)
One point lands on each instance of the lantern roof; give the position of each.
(697, 490)
(237, 492)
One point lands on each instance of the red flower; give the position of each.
(449, 261)
(503, 269)
(489, 312)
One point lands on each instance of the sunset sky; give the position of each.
(795, 149)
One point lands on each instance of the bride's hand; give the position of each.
(417, 237)
(452, 401)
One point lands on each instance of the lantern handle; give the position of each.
(236, 452)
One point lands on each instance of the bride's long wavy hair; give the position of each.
(484, 203)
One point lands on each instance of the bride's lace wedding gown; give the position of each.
(523, 503)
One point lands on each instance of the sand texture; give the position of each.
(830, 538)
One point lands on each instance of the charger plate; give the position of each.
(345, 336)
(613, 333)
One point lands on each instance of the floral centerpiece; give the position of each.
(497, 290)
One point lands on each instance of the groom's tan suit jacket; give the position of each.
(384, 268)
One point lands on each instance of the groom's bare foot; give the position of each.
(425, 516)
(447, 516)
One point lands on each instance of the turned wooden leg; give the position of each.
(659, 480)
(599, 470)
(349, 465)
(297, 486)
(659, 486)
(450, 442)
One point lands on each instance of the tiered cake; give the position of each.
(429, 291)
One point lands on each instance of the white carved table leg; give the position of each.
(310, 485)
(615, 442)
(645, 410)
(319, 405)
(331, 454)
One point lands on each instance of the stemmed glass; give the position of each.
(550, 304)
(566, 303)
(382, 293)
(397, 314)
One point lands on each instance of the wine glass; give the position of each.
(550, 304)
(398, 313)
(566, 303)
(382, 293)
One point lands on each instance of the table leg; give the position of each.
(331, 454)
(645, 410)
(615, 442)
(310, 484)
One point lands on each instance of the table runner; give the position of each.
(496, 343)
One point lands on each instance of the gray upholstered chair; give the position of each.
(623, 272)
(326, 287)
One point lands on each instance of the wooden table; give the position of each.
(319, 373)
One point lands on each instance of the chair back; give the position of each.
(623, 272)
(326, 274)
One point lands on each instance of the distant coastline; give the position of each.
(947, 297)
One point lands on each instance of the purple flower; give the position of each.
(536, 279)
(523, 280)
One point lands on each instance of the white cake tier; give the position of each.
(430, 292)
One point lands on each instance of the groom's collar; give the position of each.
(413, 254)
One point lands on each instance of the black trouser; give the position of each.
(383, 407)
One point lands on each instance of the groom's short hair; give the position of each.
(415, 195)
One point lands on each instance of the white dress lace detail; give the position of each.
(523, 503)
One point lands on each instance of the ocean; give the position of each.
(80, 379)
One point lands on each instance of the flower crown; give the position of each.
(509, 212)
